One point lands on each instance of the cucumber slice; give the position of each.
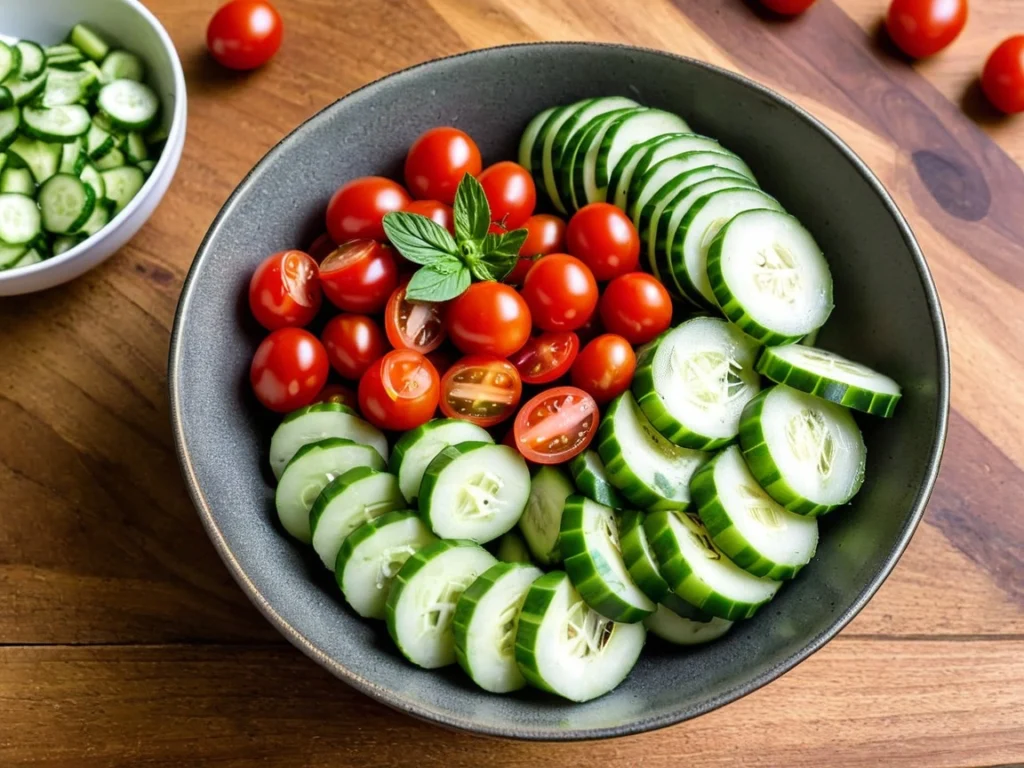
(699, 573)
(6, 99)
(147, 166)
(33, 60)
(673, 628)
(98, 220)
(643, 189)
(589, 541)
(662, 148)
(89, 42)
(41, 158)
(121, 65)
(583, 185)
(512, 548)
(66, 203)
(622, 175)
(475, 491)
(31, 257)
(62, 49)
(130, 106)
(628, 133)
(98, 141)
(831, 377)
(317, 422)
(421, 604)
(543, 158)
(113, 159)
(134, 148)
(372, 554)
(65, 243)
(485, 624)
(637, 555)
(72, 157)
(122, 184)
(807, 453)
(573, 165)
(565, 647)
(309, 472)
(347, 502)
(10, 60)
(19, 219)
(651, 472)
(529, 139)
(693, 381)
(67, 88)
(747, 524)
(576, 125)
(23, 91)
(91, 176)
(11, 255)
(10, 121)
(17, 181)
(542, 518)
(418, 447)
(770, 277)
(591, 478)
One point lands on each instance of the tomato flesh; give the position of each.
(359, 276)
(481, 389)
(1003, 76)
(417, 325)
(285, 290)
(244, 34)
(289, 369)
(399, 391)
(605, 367)
(353, 343)
(556, 425)
(546, 357)
(924, 27)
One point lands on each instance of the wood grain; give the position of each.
(124, 642)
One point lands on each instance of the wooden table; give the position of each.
(124, 642)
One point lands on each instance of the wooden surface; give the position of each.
(124, 642)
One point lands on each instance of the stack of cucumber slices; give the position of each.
(77, 141)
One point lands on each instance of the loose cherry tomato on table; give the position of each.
(1003, 77)
(923, 27)
(602, 237)
(417, 325)
(788, 7)
(336, 393)
(545, 234)
(321, 248)
(289, 369)
(481, 389)
(353, 343)
(399, 391)
(556, 425)
(438, 160)
(488, 318)
(604, 369)
(357, 209)
(244, 34)
(561, 292)
(636, 306)
(546, 357)
(436, 211)
(285, 290)
(510, 191)
(359, 276)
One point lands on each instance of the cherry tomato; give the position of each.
(602, 237)
(482, 389)
(442, 359)
(336, 393)
(353, 342)
(1003, 77)
(244, 34)
(437, 212)
(590, 330)
(511, 193)
(605, 367)
(359, 276)
(923, 27)
(321, 248)
(556, 425)
(285, 290)
(788, 7)
(488, 318)
(561, 292)
(399, 391)
(438, 160)
(289, 369)
(415, 325)
(357, 209)
(546, 357)
(636, 306)
(545, 234)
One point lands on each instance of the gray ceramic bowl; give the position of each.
(887, 315)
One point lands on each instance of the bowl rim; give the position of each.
(175, 135)
(548, 733)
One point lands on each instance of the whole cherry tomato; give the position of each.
(590, 330)
(556, 425)
(488, 318)
(482, 389)
(561, 292)
(359, 276)
(399, 391)
(288, 370)
(1003, 77)
(353, 342)
(285, 290)
(923, 27)
(788, 7)
(357, 209)
(337, 393)
(417, 325)
(602, 237)
(321, 248)
(436, 211)
(545, 234)
(547, 357)
(244, 34)
(511, 193)
(442, 358)
(636, 306)
(605, 367)
(438, 160)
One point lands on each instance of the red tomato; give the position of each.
(357, 209)
(321, 248)
(336, 393)
(556, 425)
(288, 370)
(244, 34)
(438, 160)
(1003, 78)
(415, 325)
(788, 7)
(546, 357)
(285, 290)
(437, 212)
(510, 192)
(605, 367)
(482, 389)
(923, 27)
(442, 359)
(359, 276)
(602, 237)
(636, 306)
(488, 318)
(399, 391)
(545, 234)
(353, 342)
(561, 292)
(590, 330)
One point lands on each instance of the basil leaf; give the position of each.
(419, 239)
(472, 213)
(501, 252)
(430, 284)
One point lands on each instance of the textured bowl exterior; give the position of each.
(887, 316)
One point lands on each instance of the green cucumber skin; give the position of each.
(632, 540)
(620, 167)
(538, 598)
(362, 533)
(318, 408)
(537, 152)
(333, 488)
(591, 486)
(433, 471)
(567, 178)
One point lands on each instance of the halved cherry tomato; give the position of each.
(438, 160)
(336, 393)
(561, 292)
(547, 357)
(359, 276)
(636, 306)
(285, 290)
(399, 391)
(488, 318)
(605, 367)
(556, 425)
(353, 343)
(924, 27)
(244, 34)
(436, 211)
(321, 248)
(289, 369)
(1003, 77)
(788, 7)
(481, 389)
(603, 237)
(510, 191)
(357, 209)
(545, 234)
(417, 325)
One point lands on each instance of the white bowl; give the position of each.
(127, 24)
